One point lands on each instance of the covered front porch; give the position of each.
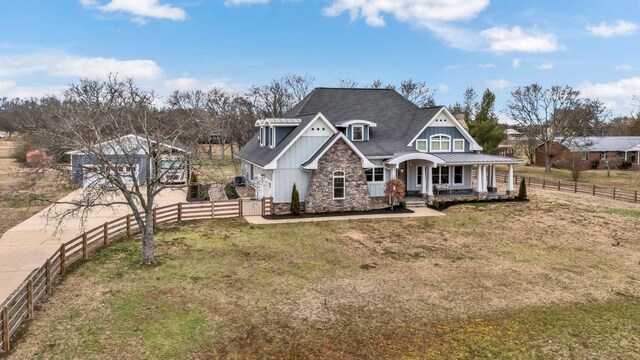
(451, 177)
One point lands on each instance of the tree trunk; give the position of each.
(148, 246)
(222, 151)
(210, 150)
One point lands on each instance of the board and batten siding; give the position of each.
(412, 176)
(451, 131)
(376, 189)
(289, 169)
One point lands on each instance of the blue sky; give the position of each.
(185, 44)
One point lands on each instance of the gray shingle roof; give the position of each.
(604, 143)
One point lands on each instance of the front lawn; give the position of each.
(629, 179)
(549, 278)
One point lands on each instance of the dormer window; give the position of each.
(440, 143)
(263, 136)
(357, 133)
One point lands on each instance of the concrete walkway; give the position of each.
(417, 212)
(27, 246)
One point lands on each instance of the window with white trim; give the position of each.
(440, 175)
(421, 145)
(263, 136)
(458, 175)
(440, 143)
(272, 138)
(357, 132)
(338, 184)
(584, 155)
(458, 145)
(375, 174)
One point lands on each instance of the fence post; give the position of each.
(63, 259)
(505, 178)
(155, 221)
(544, 181)
(529, 181)
(264, 208)
(5, 329)
(105, 233)
(635, 196)
(575, 187)
(47, 270)
(239, 206)
(558, 185)
(213, 209)
(30, 299)
(179, 211)
(614, 192)
(85, 251)
(128, 225)
(594, 190)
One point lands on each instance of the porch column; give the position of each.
(394, 173)
(484, 178)
(479, 179)
(424, 179)
(429, 181)
(510, 181)
(494, 184)
(638, 157)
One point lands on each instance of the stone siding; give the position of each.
(339, 157)
(284, 208)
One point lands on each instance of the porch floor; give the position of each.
(456, 196)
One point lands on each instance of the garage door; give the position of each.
(94, 178)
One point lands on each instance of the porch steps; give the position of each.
(416, 204)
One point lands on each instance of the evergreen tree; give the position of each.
(522, 192)
(193, 186)
(484, 127)
(295, 201)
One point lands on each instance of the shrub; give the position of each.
(38, 158)
(522, 192)
(625, 165)
(595, 163)
(295, 201)
(193, 186)
(394, 191)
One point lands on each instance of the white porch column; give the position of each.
(424, 178)
(638, 157)
(510, 180)
(429, 181)
(494, 184)
(479, 179)
(394, 173)
(484, 179)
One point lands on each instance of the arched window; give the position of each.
(338, 185)
(440, 143)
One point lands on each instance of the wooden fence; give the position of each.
(614, 193)
(19, 307)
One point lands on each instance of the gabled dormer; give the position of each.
(273, 131)
(443, 133)
(357, 130)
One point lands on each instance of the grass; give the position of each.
(619, 178)
(515, 280)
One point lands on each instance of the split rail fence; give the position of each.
(20, 306)
(614, 193)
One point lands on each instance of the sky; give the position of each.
(166, 45)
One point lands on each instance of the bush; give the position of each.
(522, 192)
(295, 201)
(394, 191)
(193, 186)
(625, 165)
(595, 163)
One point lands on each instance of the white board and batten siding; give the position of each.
(376, 189)
(288, 169)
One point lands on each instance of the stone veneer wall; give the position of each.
(339, 157)
(285, 208)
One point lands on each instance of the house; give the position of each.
(129, 158)
(341, 146)
(509, 146)
(593, 152)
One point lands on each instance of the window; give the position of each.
(458, 145)
(375, 174)
(272, 138)
(338, 184)
(584, 156)
(263, 136)
(458, 177)
(440, 175)
(421, 145)
(440, 143)
(419, 176)
(357, 133)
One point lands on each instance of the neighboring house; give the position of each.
(509, 146)
(593, 152)
(341, 146)
(129, 156)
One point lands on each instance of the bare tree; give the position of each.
(130, 149)
(299, 85)
(274, 99)
(347, 83)
(548, 115)
(418, 93)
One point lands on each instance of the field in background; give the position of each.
(629, 179)
(553, 278)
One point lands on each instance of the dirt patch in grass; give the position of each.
(549, 278)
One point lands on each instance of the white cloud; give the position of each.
(502, 39)
(545, 66)
(619, 28)
(617, 95)
(6, 85)
(140, 9)
(245, 2)
(487, 66)
(499, 84)
(60, 64)
(183, 83)
(516, 63)
(443, 88)
(25, 92)
(625, 67)
(417, 12)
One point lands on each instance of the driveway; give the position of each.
(27, 246)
